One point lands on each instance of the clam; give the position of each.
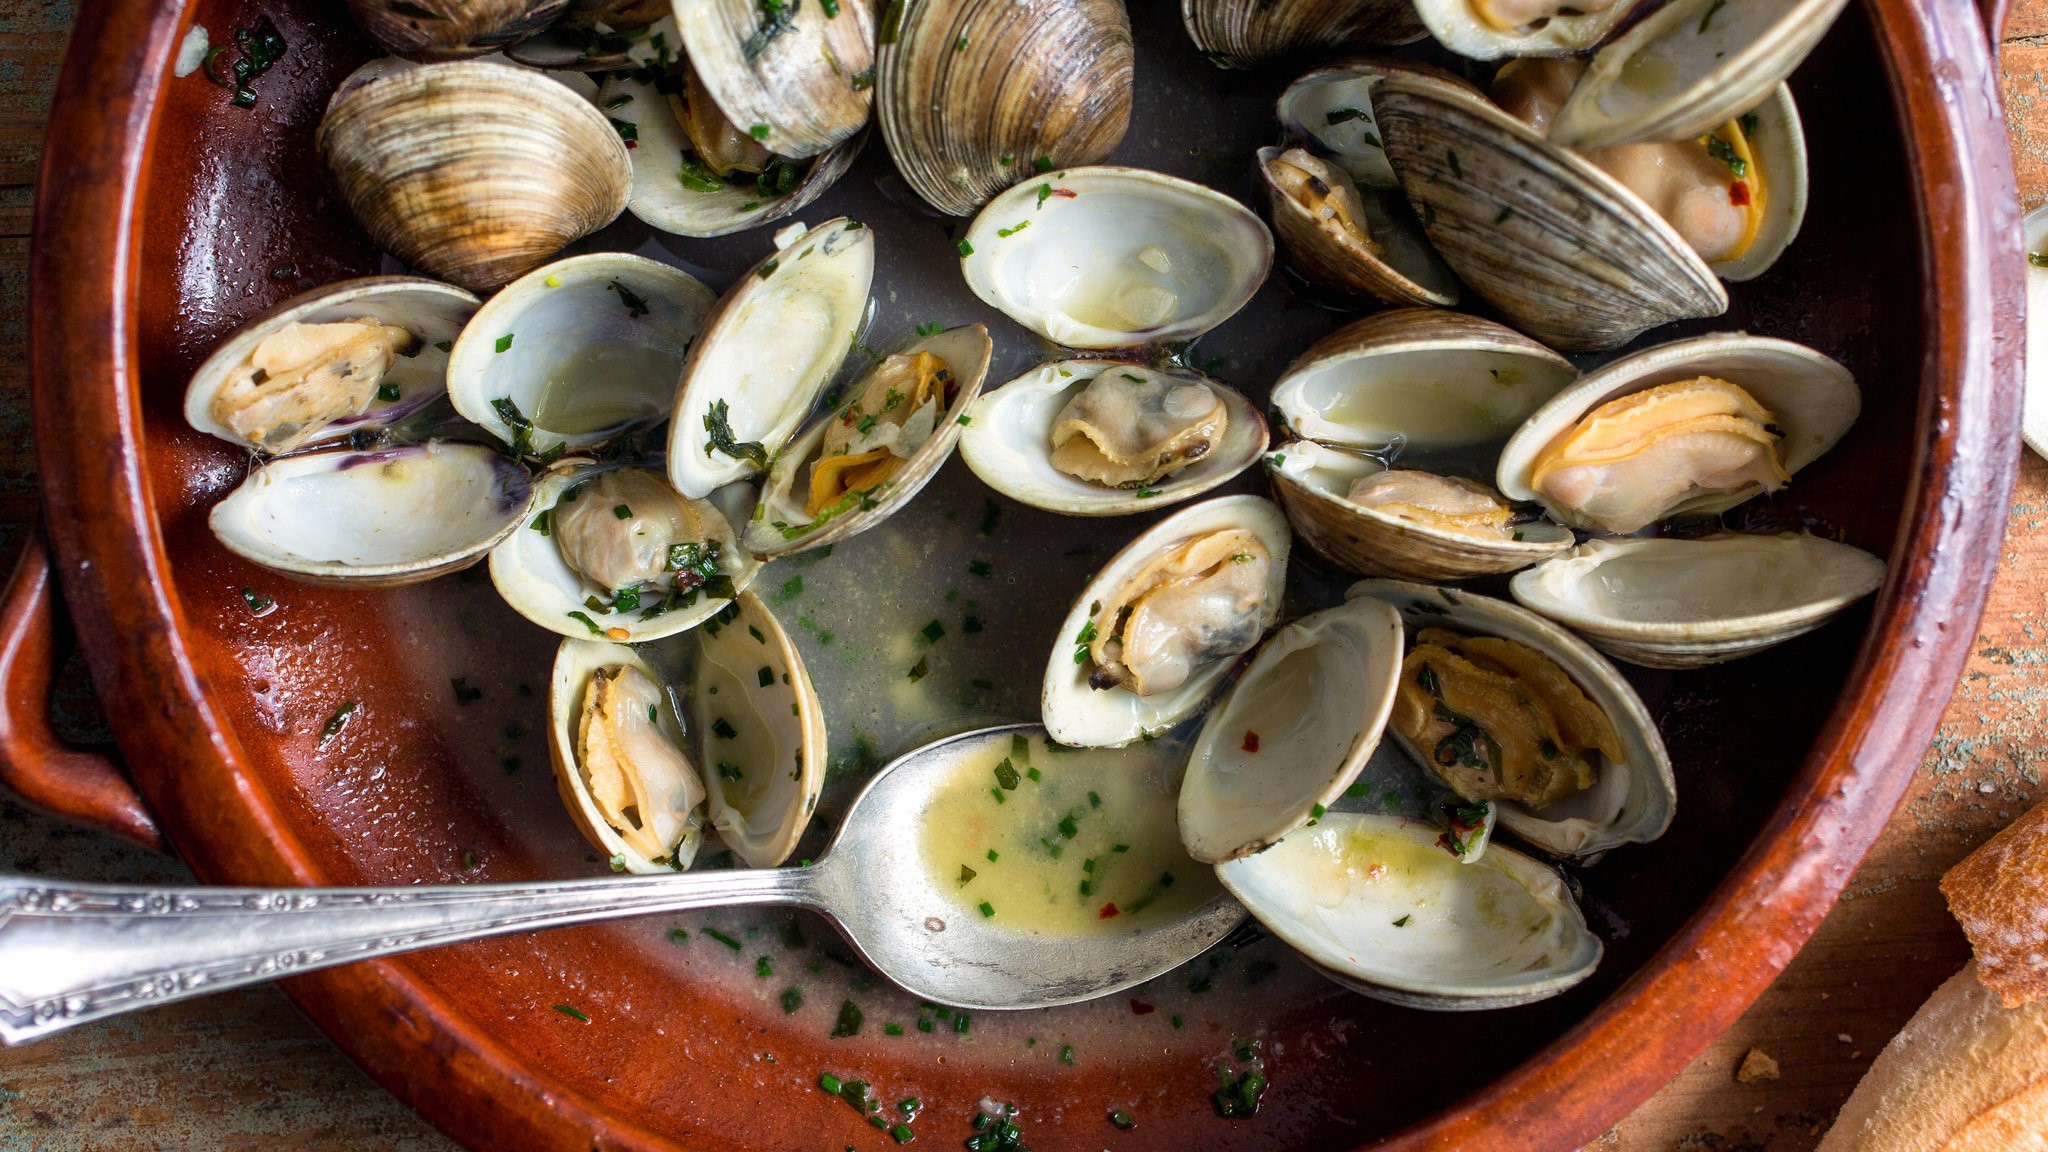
(975, 95)
(1100, 258)
(1491, 29)
(374, 519)
(794, 78)
(1244, 33)
(719, 725)
(612, 551)
(1373, 904)
(578, 352)
(1683, 603)
(347, 357)
(474, 172)
(595, 35)
(1693, 426)
(767, 352)
(2034, 416)
(1385, 412)
(1290, 736)
(1110, 437)
(1510, 709)
(872, 454)
(1157, 629)
(429, 30)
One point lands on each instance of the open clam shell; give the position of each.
(1376, 906)
(452, 31)
(1398, 266)
(1565, 252)
(787, 75)
(577, 352)
(974, 95)
(474, 172)
(767, 352)
(1690, 66)
(2034, 418)
(1459, 26)
(1683, 603)
(662, 200)
(781, 524)
(1812, 399)
(738, 702)
(1104, 258)
(535, 577)
(375, 519)
(1778, 140)
(1076, 713)
(1245, 33)
(433, 312)
(1008, 443)
(1631, 801)
(1290, 736)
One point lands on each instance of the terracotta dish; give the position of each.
(166, 217)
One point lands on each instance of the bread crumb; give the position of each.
(1756, 1068)
(1845, 1038)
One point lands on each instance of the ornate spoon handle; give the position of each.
(70, 953)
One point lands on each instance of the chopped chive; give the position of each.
(722, 938)
(572, 1013)
(764, 967)
(792, 999)
(1067, 1054)
(849, 1021)
(933, 631)
(505, 342)
(964, 248)
(991, 855)
(892, 1029)
(829, 1083)
(987, 909)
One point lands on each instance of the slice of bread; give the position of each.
(1999, 894)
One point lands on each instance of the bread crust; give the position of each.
(1999, 894)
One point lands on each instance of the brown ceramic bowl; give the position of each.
(166, 217)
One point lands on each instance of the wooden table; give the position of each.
(243, 1069)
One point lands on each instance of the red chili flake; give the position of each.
(1069, 193)
(1140, 1008)
(632, 144)
(1251, 740)
(1738, 194)
(1108, 912)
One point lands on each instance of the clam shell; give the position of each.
(1688, 67)
(1565, 252)
(1674, 603)
(432, 311)
(974, 95)
(1457, 27)
(660, 200)
(1813, 398)
(1779, 144)
(799, 84)
(1630, 802)
(1043, 252)
(1406, 271)
(779, 526)
(592, 349)
(374, 519)
(769, 349)
(473, 172)
(2034, 420)
(1425, 932)
(1330, 110)
(1008, 443)
(529, 572)
(442, 30)
(1077, 714)
(1244, 33)
(1290, 736)
(1311, 481)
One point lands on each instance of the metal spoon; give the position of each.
(72, 953)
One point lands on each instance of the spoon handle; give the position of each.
(71, 953)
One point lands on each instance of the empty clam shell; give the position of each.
(1290, 736)
(1376, 906)
(1631, 800)
(578, 352)
(789, 74)
(474, 172)
(416, 376)
(783, 522)
(1683, 603)
(1243, 33)
(374, 519)
(1115, 257)
(1465, 26)
(1008, 443)
(974, 95)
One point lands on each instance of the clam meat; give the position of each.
(641, 782)
(1635, 458)
(1327, 192)
(1451, 503)
(869, 440)
(1128, 430)
(1196, 604)
(305, 376)
(1507, 15)
(1499, 720)
(626, 530)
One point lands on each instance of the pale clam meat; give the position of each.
(1161, 624)
(1376, 906)
(1014, 443)
(638, 779)
(303, 377)
(1682, 603)
(1452, 503)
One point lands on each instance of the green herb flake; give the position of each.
(505, 342)
(1723, 151)
(336, 723)
(1042, 164)
(636, 304)
(767, 269)
(964, 247)
(933, 632)
(792, 997)
(718, 425)
(571, 1011)
(1067, 1054)
(758, 132)
(258, 603)
(849, 1021)
(1506, 214)
(1012, 230)
(1122, 1121)
(987, 909)
(1403, 921)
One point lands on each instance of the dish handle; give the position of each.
(36, 763)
